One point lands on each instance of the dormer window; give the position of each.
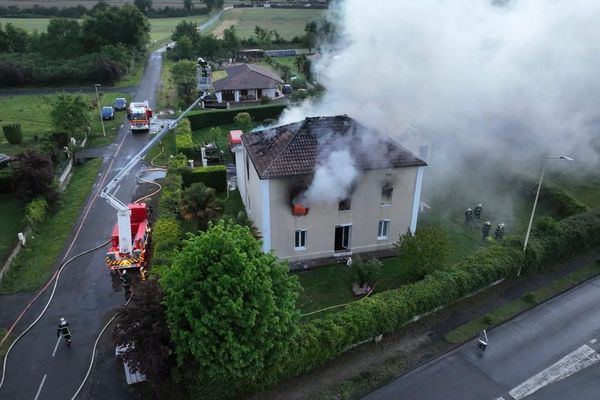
(386, 194)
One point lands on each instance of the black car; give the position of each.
(120, 104)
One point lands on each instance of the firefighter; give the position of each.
(477, 211)
(63, 329)
(485, 229)
(126, 282)
(499, 233)
(468, 215)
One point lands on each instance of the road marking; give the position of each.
(574, 362)
(56, 346)
(500, 398)
(40, 388)
(593, 341)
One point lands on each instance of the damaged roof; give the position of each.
(247, 76)
(298, 148)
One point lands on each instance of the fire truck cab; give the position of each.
(139, 114)
(140, 229)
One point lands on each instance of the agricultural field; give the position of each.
(288, 23)
(161, 28)
(85, 3)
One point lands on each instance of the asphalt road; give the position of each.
(40, 366)
(549, 352)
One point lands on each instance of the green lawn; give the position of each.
(11, 215)
(585, 187)
(33, 113)
(29, 24)
(35, 263)
(509, 310)
(288, 23)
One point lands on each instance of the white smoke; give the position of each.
(481, 78)
(332, 181)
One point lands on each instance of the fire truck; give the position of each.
(131, 234)
(139, 114)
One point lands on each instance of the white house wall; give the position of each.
(365, 214)
(240, 171)
(253, 201)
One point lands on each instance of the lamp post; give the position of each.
(537, 195)
(96, 85)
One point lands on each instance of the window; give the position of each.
(386, 194)
(344, 205)
(247, 168)
(300, 240)
(382, 230)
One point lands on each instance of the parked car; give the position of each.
(120, 104)
(108, 113)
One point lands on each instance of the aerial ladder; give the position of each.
(127, 251)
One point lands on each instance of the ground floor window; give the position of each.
(228, 95)
(300, 240)
(382, 230)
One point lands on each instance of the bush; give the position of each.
(7, 184)
(166, 237)
(212, 176)
(562, 201)
(265, 100)
(244, 120)
(183, 140)
(367, 271)
(170, 196)
(203, 119)
(530, 298)
(13, 133)
(35, 211)
(60, 138)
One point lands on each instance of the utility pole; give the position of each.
(96, 85)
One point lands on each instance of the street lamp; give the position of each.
(96, 86)
(537, 194)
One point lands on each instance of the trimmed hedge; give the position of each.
(167, 234)
(7, 184)
(212, 176)
(183, 140)
(203, 119)
(13, 133)
(36, 211)
(321, 340)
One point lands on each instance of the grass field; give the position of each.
(11, 215)
(33, 113)
(288, 23)
(85, 3)
(34, 264)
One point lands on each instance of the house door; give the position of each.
(342, 238)
(258, 94)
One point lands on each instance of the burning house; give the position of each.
(327, 186)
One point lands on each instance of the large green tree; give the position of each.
(199, 204)
(230, 307)
(70, 113)
(125, 25)
(425, 251)
(183, 75)
(143, 5)
(231, 41)
(62, 38)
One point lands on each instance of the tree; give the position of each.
(141, 328)
(187, 29)
(70, 113)
(188, 5)
(18, 38)
(143, 5)
(303, 65)
(183, 75)
(231, 42)
(62, 38)
(209, 46)
(244, 120)
(184, 49)
(126, 25)
(425, 251)
(263, 36)
(199, 204)
(230, 307)
(34, 177)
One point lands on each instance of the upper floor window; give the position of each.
(344, 205)
(386, 194)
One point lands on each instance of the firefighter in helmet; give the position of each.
(485, 229)
(499, 233)
(468, 215)
(63, 329)
(125, 280)
(477, 211)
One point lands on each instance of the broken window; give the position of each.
(344, 205)
(386, 194)
(300, 240)
(382, 230)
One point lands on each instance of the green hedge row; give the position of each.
(7, 184)
(183, 140)
(167, 235)
(562, 201)
(212, 176)
(321, 340)
(203, 119)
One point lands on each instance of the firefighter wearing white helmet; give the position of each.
(63, 329)
(499, 233)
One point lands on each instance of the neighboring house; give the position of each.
(327, 186)
(247, 82)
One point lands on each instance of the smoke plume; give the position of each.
(506, 81)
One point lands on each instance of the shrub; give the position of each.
(166, 237)
(35, 211)
(60, 138)
(183, 140)
(488, 319)
(203, 119)
(244, 120)
(265, 100)
(367, 271)
(530, 298)
(562, 201)
(170, 196)
(13, 133)
(7, 184)
(212, 176)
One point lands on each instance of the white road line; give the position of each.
(500, 398)
(574, 362)
(56, 346)
(593, 341)
(40, 388)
